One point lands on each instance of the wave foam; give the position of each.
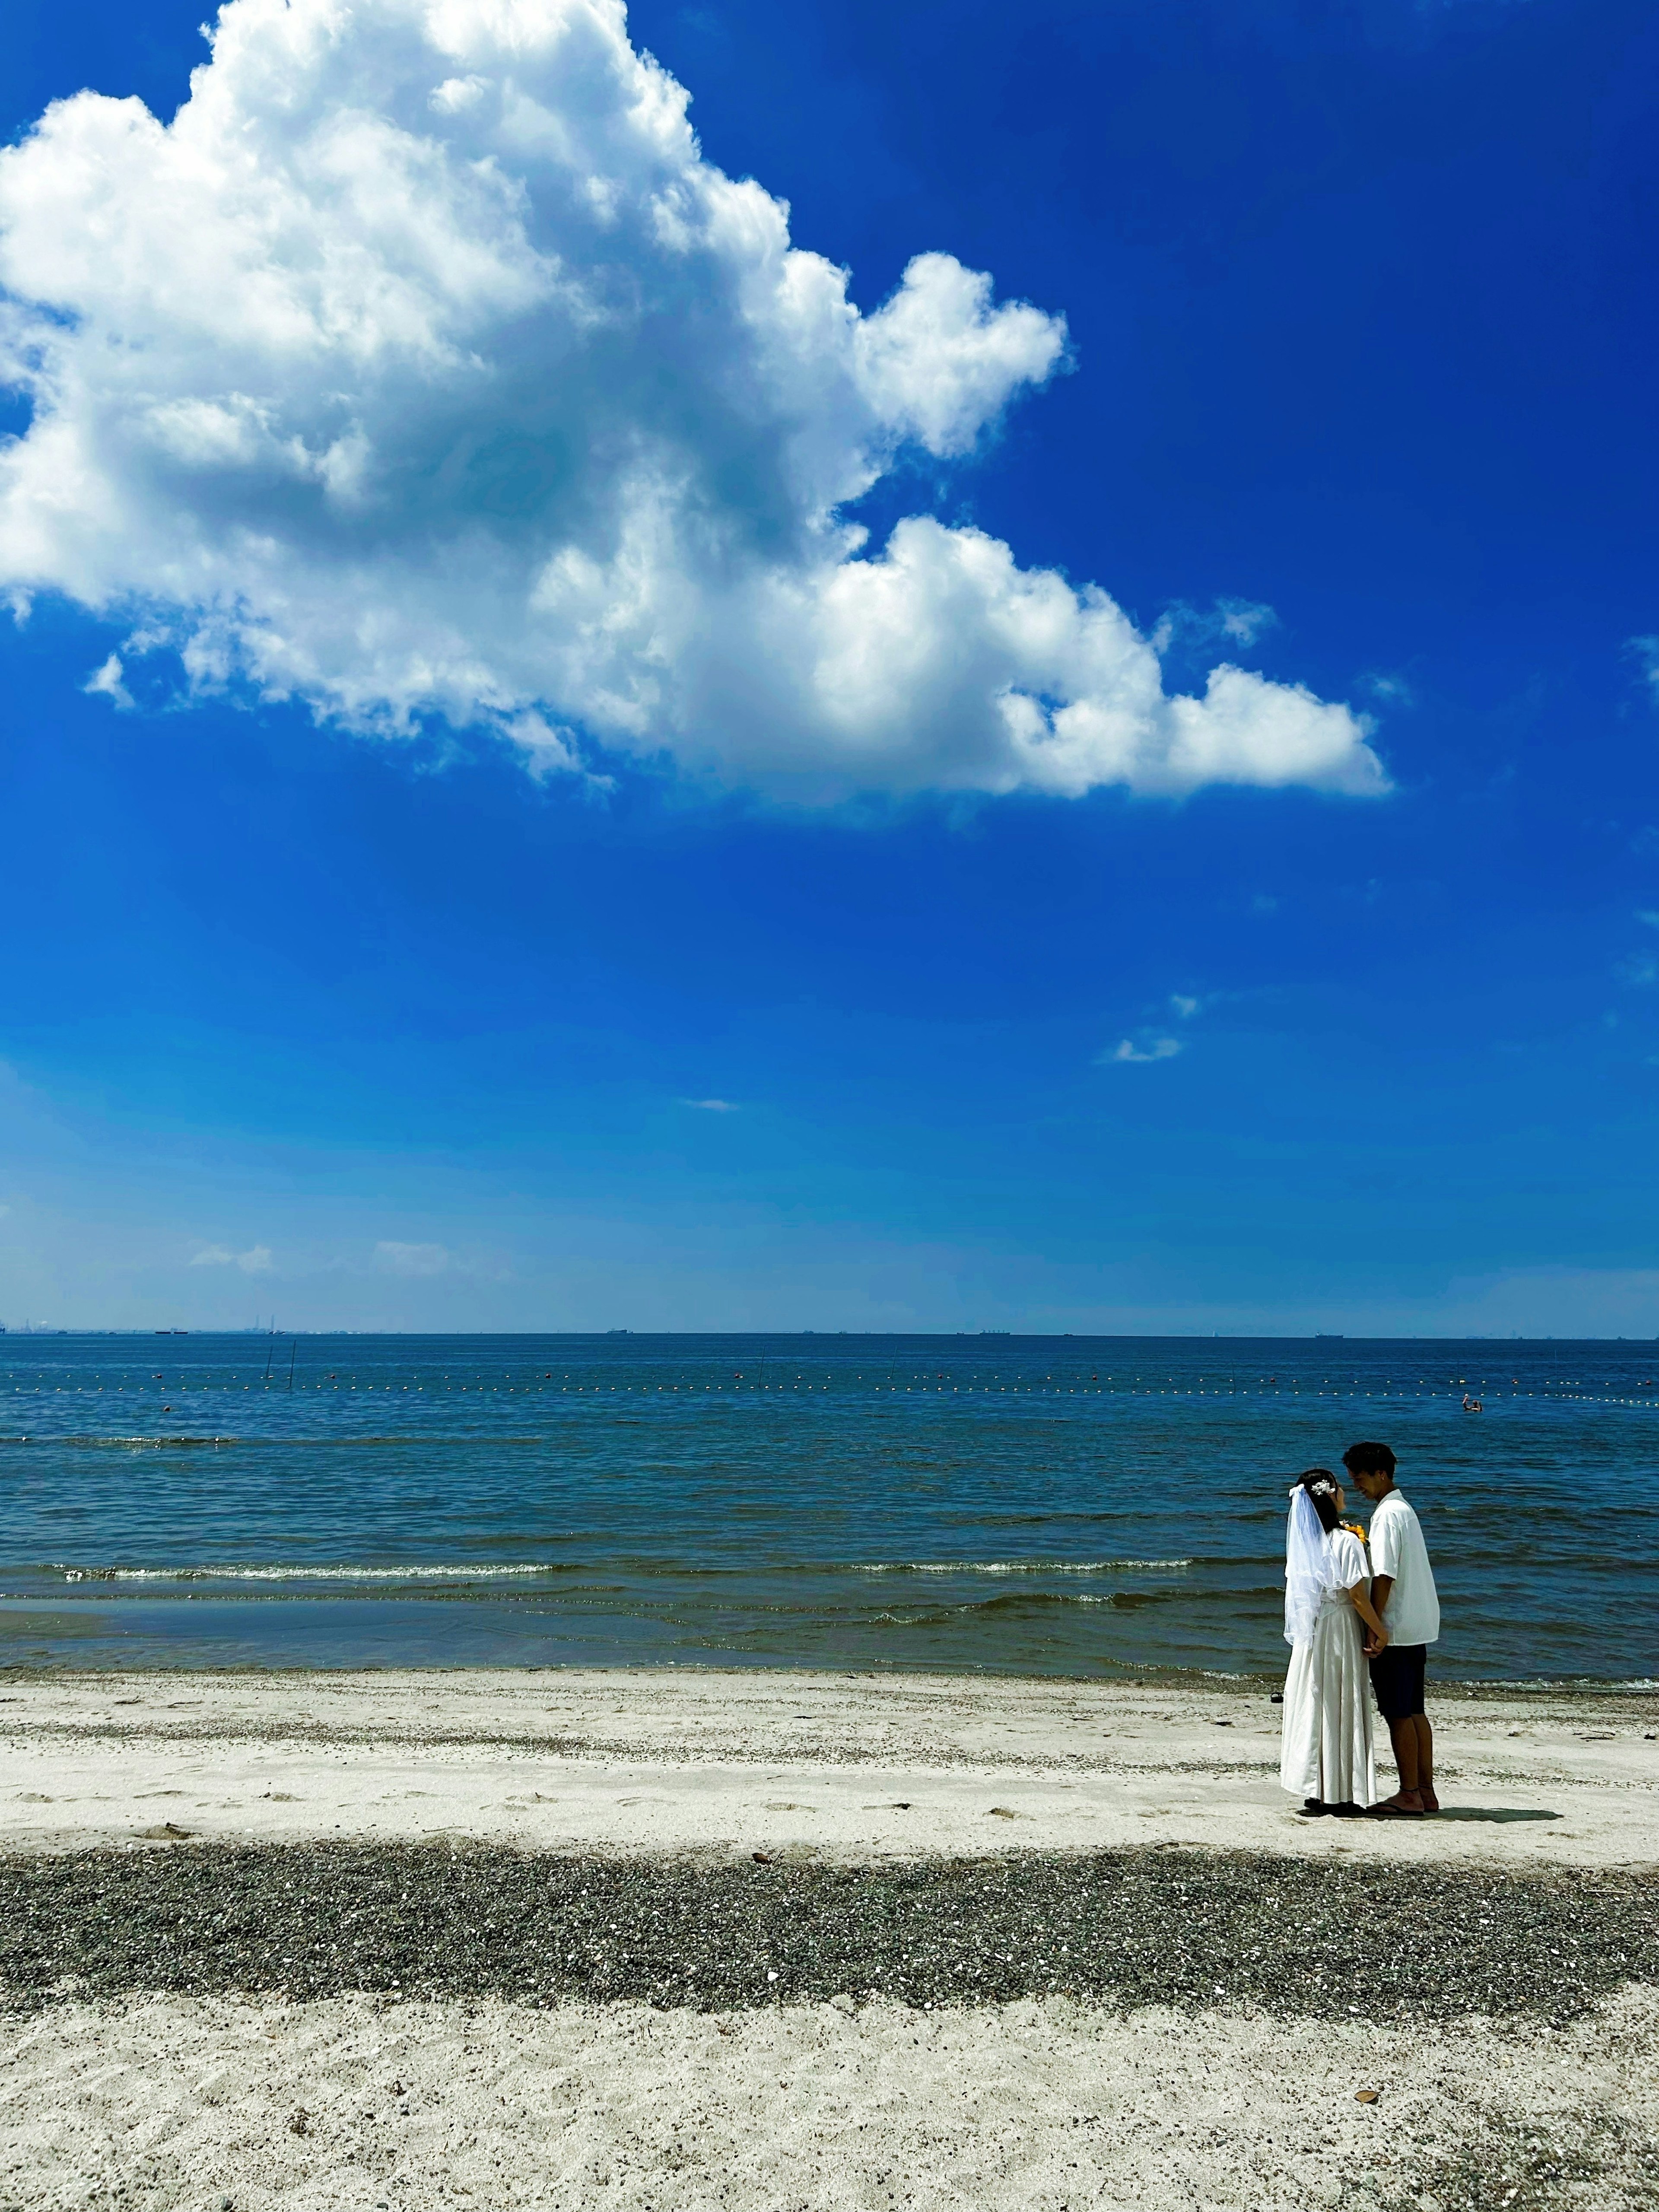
(121, 1443)
(1017, 1566)
(426, 1571)
(299, 1574)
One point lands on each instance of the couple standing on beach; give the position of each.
(1343, 1608)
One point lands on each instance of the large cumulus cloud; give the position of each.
(421, 366)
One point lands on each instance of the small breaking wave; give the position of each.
(506, 1571)
(1018, 1566)
(124, 1444)
(299, 1574)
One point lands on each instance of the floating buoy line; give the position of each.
(918, 1384)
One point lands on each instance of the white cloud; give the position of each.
(391, 1258)
(255, 1261)
(711, 1105)
(421, 366)
(1139, 1055)
(1183, 1007)
(1392, 690)
(1229, 621)
(1650, 918)
(106, 682)
(1646, 650)
(1243, 620)
(1640, 969)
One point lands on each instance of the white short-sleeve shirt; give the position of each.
(1412, 1615)
(1347, 1558)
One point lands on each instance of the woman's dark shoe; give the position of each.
(1313, 1807)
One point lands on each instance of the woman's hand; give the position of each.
(1377, 1635)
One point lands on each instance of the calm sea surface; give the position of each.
(1072, 1505)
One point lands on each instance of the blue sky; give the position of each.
(520, 864)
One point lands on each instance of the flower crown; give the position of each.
(1324, 1488)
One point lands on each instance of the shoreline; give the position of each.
(1126, 1677)
(1017, 1627)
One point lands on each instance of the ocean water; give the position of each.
(1078, 1506)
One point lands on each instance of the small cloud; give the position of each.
(1646, 915)
(712, 1105)
(1391, 691)
(1185, 1008)
(391, 1258)
(551, 751)
(106, 682)
(457, 94)
(1640, 969)
(1245, 620)
(254, 1261)
(1646, 650)
(1238, 622)
(1129, 1054)
(1264, 902)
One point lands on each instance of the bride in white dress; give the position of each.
(1326, 1758)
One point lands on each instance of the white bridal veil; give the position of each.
(1310, 1570)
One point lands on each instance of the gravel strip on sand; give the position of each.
(1187, 1930)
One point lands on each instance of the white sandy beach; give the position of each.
(362, 2101)
(843, 1764)
(193, 2106)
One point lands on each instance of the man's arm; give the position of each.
(1385, 1557)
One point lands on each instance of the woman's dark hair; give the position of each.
(1324, 1497)
(1369, 1458)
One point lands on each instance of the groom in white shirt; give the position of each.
(1404, 1596)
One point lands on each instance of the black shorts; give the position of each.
(1397, 1679)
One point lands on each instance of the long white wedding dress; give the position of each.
(1327, 1749)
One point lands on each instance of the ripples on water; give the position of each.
(1073, 1505)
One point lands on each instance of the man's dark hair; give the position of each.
(1369, 1458)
